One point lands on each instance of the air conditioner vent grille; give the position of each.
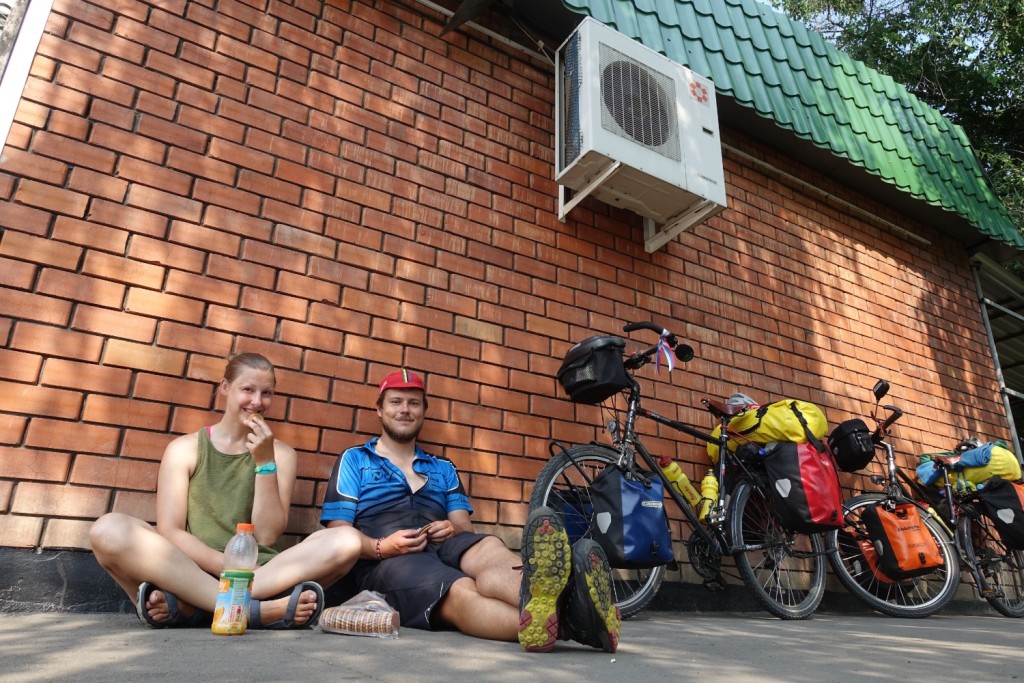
(572, 75)
(639, 103)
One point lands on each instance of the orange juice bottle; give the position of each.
(231, 615)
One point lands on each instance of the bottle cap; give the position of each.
(244, 527)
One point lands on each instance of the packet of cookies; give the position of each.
(366, 614)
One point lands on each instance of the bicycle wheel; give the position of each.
(564, 484)
(918, 597)
(784, 570)
(1002, 567)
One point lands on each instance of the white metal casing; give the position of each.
(617, 100)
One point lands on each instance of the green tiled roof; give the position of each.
(791, 75)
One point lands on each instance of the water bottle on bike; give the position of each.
(679, 481)
(708, 494)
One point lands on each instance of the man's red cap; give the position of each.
(402, 379)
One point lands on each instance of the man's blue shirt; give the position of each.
(373, 494)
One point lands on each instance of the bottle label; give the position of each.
(231, 615)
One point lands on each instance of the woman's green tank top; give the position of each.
(220, 495)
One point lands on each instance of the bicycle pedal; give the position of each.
(715, 584)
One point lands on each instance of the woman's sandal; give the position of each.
(288, 622)
(175, 617)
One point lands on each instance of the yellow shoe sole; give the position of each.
(546, 568)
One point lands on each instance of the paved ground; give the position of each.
(657, 646)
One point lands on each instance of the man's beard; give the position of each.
(401, 437)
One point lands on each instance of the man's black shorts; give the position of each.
(414, 584)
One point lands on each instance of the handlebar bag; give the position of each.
(1004, 504)
(630, 521)
(780, 421)
(804, 486)
(904, 546)
(851, 445)
(593, 370)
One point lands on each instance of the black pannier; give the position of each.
(593, 371)
(851, 445)
(1004, 504)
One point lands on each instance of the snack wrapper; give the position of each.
(366, 614)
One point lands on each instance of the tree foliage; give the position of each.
(965, 58)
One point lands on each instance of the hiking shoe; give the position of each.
(591, 617)
(546, 568)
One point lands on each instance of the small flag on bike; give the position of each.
(663, 347)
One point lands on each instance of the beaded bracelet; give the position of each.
(379, 556)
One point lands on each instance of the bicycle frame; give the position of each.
(712, 532)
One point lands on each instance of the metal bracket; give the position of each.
(564, 208)
(655, 239)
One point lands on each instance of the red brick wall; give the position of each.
(333, 185)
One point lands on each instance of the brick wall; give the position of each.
(331, 184)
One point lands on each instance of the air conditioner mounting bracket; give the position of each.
(564, 208)
(655, 237)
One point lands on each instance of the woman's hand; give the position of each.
(260, 441)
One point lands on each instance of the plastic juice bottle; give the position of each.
(708, 494)
(231, 615)
(679, 481)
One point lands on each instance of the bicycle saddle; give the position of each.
(720, 409)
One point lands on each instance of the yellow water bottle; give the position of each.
(708, 494)
(679, 481)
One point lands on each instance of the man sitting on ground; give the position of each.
(419, 549)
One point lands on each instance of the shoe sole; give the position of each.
(597, 575)
(546, 570)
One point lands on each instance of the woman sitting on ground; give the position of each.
(232, 472)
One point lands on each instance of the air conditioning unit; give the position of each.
(635, 130)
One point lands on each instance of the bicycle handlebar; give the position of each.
(894, 414)
(632, 327)
(684, 352)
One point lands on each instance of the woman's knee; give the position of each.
(343, 543)
(112, 533)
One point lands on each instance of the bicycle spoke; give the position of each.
(785, 571)
(920, 596)
(1001, 569)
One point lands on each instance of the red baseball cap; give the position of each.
(402, 379)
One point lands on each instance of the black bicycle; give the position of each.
(785, 570)
(852, 549)
(958, 522)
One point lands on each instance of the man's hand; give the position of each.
(438, 532)
(402, 543)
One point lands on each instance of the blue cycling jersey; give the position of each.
(370, 492)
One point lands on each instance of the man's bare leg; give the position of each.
(476, 615)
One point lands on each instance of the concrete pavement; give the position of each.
(656, 646)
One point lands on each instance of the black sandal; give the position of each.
(288, 622)
(175, 617)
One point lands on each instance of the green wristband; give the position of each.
(266, 468)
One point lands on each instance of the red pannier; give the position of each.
(805, 486)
